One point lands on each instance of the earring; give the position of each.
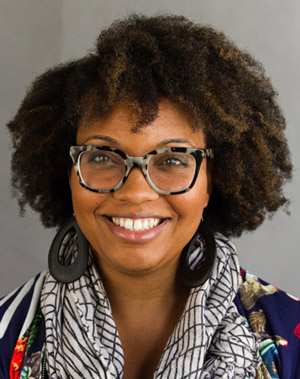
(198, 276)
(72, 272)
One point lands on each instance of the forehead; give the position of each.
(171, 123)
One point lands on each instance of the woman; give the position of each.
(143, 153)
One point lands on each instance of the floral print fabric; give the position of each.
(271, 313)
(275, 316)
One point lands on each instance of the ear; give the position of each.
(69, 172)
(210, 181)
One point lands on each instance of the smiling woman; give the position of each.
(177, 217)
(142, 154)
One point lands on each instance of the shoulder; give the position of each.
(17, 312)
(275, 316)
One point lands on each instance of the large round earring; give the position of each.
(199, 275)
(72, 272)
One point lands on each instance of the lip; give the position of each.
(139, 236)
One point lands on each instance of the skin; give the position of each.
(140, 276)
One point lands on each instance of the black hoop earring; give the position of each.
(72, 272)
(198, 276)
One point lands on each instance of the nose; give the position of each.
(136, 189)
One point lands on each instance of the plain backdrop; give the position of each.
(35, 35)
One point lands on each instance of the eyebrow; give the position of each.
(103, 138)
(115, 142)
(174, 140)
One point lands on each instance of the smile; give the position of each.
(138, 224)
(136, 230)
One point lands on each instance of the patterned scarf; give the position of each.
(211, 339)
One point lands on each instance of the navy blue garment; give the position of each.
(271, 313)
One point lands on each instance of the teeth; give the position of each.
(136, 224)
(128, 224)
(145, 224)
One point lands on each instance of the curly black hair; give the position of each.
(138, 61)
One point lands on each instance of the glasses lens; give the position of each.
(173, 171)
(101, 169)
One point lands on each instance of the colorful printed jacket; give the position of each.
(271, 313)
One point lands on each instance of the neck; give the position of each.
(143, 292)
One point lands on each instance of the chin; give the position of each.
(136, 262)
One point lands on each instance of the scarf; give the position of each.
(211, 339)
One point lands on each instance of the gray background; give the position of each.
(35, 35)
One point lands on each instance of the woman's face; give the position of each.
(144, 251)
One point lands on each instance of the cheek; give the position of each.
(198, 196)
(190, 205)
(189, 209)
(85, 202)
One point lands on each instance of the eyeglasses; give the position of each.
(168, 171)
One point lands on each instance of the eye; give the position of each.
(175, 162)
(171, 160)
(99, 158)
